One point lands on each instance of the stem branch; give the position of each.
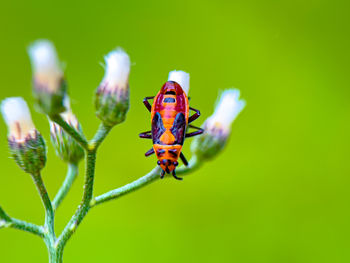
(113, 194)
(70, 130)
(83, 208)
(49, 213)
(141, 182)
(100, 135)
(7, 221)
(66, 185)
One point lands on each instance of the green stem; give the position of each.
(100, 135)
(71, 131)
(193, 165)
(66, 185)
(84, 205)
(55, 255)
(28, 227)
(141, 182)
(7, 221)
(113, 194)
(5, 218)
(49, 213)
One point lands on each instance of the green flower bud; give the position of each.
(49, 86)
(217, 127)
(26, 144)
(66, 147)
(112, 96)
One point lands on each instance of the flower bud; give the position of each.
(66, 147)
(26, 144)
(49, 86)
(182, 78)
(112, 96)
(217, 127)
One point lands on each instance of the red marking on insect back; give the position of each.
(171, 89)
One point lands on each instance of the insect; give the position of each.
(170, 119)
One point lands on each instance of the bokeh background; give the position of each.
(280, 190)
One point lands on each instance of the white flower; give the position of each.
(17, 117)
(45, 64)
(117, 70)
(182, 78)
(226, 111)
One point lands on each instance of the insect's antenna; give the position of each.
(162, 174)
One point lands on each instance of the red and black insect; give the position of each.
(170, 120)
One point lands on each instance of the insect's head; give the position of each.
(167, 165)
(167, 156)
(171, 88)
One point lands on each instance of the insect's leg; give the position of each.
(145, 101)
(177, 178)
(194, 116)
(149, 152)
(183, 159)
(145, 135)
(198, 132)
(194, 127)
(162, 174)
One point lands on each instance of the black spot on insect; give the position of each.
(173, 152)
(157, 128)
(179, 128)
(160, 152)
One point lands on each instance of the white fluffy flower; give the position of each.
(17, 117)
(117, 69)
(45, 64)
(226, 111)
(182, 78)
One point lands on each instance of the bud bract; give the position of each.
(112, 96)
(49, 86)
(217, 127)
(26, 144)
(182, 78)
(66, 147)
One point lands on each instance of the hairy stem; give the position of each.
(49, 213)
(193, 165)
(141, 182)
(55, 255)
(26, 226)
(66, 185)
(100, 135)
(113, 194)
(84, 205)
(7, 221)
(83, 208)
(71, 131)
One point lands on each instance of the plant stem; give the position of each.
(49, 213)
(66, 185)
(55, 255)
(143, 181)
(70, 130)
(7, 221)
(100, 135)
(83, 208)
(193, 165)
(113, 194)
(84, 205)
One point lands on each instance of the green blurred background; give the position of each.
(279, 192)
